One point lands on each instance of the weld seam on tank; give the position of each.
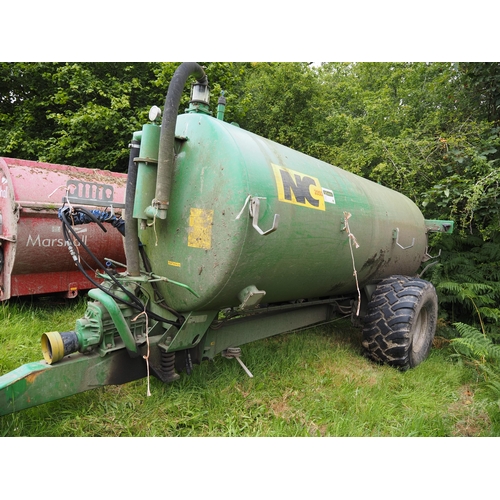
(167, 137)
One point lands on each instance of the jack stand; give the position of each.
(235, 352)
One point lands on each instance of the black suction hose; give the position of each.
(167, 137)
(135, 301)
(132, 233)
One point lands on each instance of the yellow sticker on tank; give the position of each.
(200, 228)
(298, 189)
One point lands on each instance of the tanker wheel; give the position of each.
(400, 322)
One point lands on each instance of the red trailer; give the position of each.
(34, 258)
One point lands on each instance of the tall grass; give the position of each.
(309, 383)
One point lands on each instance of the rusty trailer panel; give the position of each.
(34, 258)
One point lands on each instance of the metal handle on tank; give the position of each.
(395, 235)
(254, 213)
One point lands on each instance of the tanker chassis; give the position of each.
(231, 238)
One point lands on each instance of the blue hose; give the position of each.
(82, 216)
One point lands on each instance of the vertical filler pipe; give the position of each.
(131, 230)
(167, 137)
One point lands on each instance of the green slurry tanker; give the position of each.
(231, 238)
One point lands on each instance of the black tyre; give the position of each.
(400, 323)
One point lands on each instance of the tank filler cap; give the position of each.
(200, 92)
(200, 98)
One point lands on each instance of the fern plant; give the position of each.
(475, 344)
(467, 279)
(492, 385)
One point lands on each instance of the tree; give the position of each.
(85, 113)
(482, 79)
(76, 113)
(281, 103)
(415, 127)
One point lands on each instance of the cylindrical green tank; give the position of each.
(331, 223)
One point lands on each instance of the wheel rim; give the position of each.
(420, 330)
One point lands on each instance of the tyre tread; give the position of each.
(387, 333)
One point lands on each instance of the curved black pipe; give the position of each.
(132, 232)
(167, 137)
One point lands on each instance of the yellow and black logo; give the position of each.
(297, 188)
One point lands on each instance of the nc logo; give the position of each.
(298, 189)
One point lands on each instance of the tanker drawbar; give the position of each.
(231, 238)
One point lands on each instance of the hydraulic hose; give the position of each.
(132, 233)
(135, 301)
(167, 137)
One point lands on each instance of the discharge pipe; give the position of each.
(167, 137)
(132, 234)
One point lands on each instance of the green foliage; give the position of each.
(281, 101)
(483, 352)
(73, 113)
(476, 345)
(84, 114)
(483, 82)
(467, 279)
(415, 128)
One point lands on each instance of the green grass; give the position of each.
(309, 383)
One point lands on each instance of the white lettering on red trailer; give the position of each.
(51, 242)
